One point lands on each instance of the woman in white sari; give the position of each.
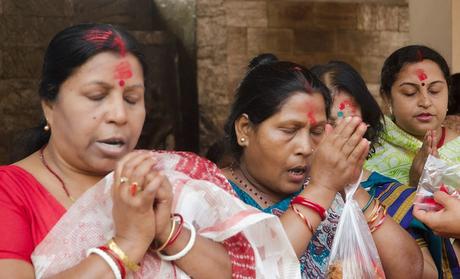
(65, 214)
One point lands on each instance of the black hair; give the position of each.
(218, 152)
(66, 52)
(454, 104)
(408, 55)
(267, 84)
(342, 76)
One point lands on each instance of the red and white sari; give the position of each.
(256, 242)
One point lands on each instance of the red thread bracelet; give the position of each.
(312, 205)
(115, 257)
(176, 235)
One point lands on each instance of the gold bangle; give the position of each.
(374, 212)
(305, 220)
(123, 257)
(171, 233)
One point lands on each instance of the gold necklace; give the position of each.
(251, 188)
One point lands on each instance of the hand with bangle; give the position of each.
(142, 200)
(378, 213)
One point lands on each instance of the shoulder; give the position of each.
(13, 174)
(15, 183)
(194, 166)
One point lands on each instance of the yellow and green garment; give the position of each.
(393, 156)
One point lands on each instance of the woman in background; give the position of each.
(280, 138)
(415, 82)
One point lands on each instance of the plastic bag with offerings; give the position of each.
(437, 175)
(354, 254)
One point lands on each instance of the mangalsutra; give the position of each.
(42, 159)
(251, 188)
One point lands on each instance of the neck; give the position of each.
(76, 181)
(269, 195)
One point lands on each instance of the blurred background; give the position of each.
(197, 51)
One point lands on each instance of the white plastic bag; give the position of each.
(436, 176)
(354, 254)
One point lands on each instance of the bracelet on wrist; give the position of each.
(186, 249)
(116, 258)
(122, 255)
(304, 219)
(171, 233)
(369, 202)
(312, 205)
(109, 260)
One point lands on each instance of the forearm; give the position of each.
(206, 259)
(398, 251)
(91, 267)
(295, 227)
(94, 266)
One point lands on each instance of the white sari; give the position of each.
(202, 196)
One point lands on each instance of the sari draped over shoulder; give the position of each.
(256, 242)
(399, 199)
(314, 261)
(393, 157)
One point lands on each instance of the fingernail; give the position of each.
(348, 119)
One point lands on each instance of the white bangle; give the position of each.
(187, 247)
(108, 259)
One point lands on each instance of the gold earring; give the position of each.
(46, 128)
(242, 139)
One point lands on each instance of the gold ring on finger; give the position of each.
(123, 180)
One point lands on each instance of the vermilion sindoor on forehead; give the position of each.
(123, 70)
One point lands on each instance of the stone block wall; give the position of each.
(26, 26)
(231, 32)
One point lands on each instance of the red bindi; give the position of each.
(311, 118)
(123, 71)
(121, 83)
(348, 103)
(421, 74)
(310, 114)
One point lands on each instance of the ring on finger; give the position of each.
(123, 180)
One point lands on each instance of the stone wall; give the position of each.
(26, 26)
(231, 32)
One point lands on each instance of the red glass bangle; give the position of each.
(176, 234)
(115, 257)
(312, 205)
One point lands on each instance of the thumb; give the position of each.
(444, 199)
(424, 216)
